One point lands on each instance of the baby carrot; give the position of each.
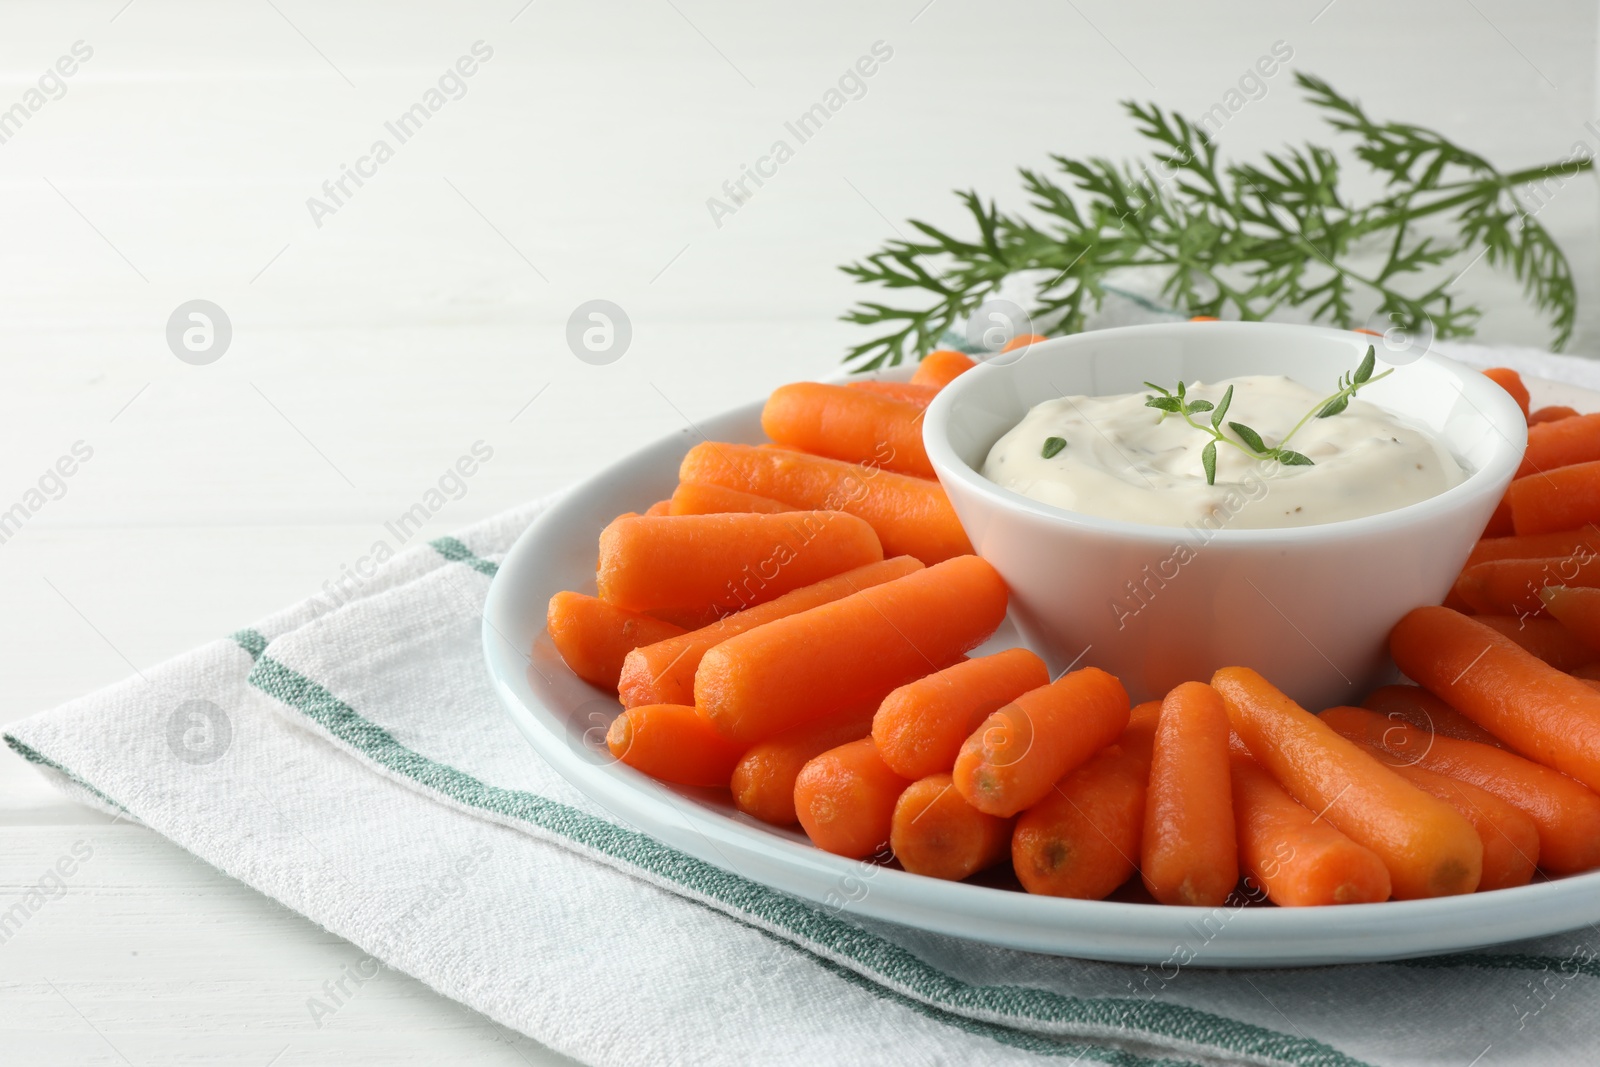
(1550, 640)
(936, 833)
(1510, 839)
(845, 799)
(847, 424)
(941, 367)
(726, 561)
(1560, 499)
(692, 499)
(1550, 717)
(1190, 844)
(1580, 542)
(763, 780)
(1566, 814)
(920, 726)
(1550, 413)
(673, 743)
(1082, 839)
(1430, 850)
(1511, 382)
(660, 507)
(1297, 859)
(594, 637)
(1015, 755)
(1500, 524)
(1511, 586)
(1415, 705)
(663, 672)
(911, 515)
(1561, 444)
(794, 669)
(920, 395)
(1023, 340)
(1578, 610)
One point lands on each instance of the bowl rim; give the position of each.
(1497, 409)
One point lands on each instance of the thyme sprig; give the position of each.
(1177, 402)
(1237, 239)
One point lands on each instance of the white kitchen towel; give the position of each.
(348, 758)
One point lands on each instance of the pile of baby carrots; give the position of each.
(792, 625)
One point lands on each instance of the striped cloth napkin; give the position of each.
(350, 760)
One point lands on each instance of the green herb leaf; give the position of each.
(1157, 388)
(1198, 406)
(1208, 460)
(1234, 238)
(1222, 408)
(1290, 458)
(1052, 447)
(1334, 406)
(1249, 437)
(1364, 371)
(1164, 403)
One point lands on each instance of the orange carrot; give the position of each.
(911, 515)
(1500, 524)
(791, 670)
(1297, 859)
(692, 499)
(1550, 717)
(594, 637)
(1510, 839)
(726, 561)
(1015, 755)
(1537, 546)
(1566, 814)
(663, 672)
(673, 743)
(1430, 850)
(920, 395)
(936, 833)
(1560, 499)
(1415, 705)
(847, 424)
(1023, 340)
(920, 726)
(1511, 382)
(763, 781)
(845, 799)
(1551, 413)
(1511, 586)
(1082, 839)
(1190, 844)
(941, 367)
(1561, 444)
(1578, 611)
(1548, 639)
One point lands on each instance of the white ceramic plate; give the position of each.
(565, 720)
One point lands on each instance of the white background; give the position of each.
(425, 314)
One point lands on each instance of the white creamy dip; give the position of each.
(1123, 460)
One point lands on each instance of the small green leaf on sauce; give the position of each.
(1222, 408)
(1248, 436)
(1364, 371)
(1291, 458)
(1199, 405)
(1052, 447)
(1164, 403)
(1208, 459)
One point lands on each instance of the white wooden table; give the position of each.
(374, 343)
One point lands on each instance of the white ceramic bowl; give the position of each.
(1309, 607)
